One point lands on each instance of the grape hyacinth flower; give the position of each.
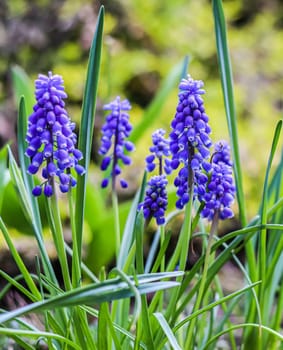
(220, 192)
(160, 150)
(51, 138)
(114, 133)
(155, 201)
(190, 141)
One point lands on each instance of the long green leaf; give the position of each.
(19, 262)
(239, 236)
(155, 108)
(167, 330)
(4, 177)
(244, 325)
(262, 242)
(97, 293)
(128, 234)
(22, 86)
(227, 88)
(19, 185)
(13, 281)
(87, 122)
(38, 334)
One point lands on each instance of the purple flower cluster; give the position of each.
(155, 202)
(190, 141)
(51, 138)
(160, 150)
(220, 190)
(114, 133)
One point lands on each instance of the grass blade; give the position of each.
(154, 110)
(244, 325)
(262, 242)
(87, 122)
(4, 178)
(96, 293)
(19, 262)
(38, 334)
(128, 234)
(22, 86)
(227, 88)
(167, 331)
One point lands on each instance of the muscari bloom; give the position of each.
(114, 141)
(190, 141)
(220, 191)
(155, 201)
(160, 151)
(51, 138)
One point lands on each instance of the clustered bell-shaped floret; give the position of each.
(114, 143)
(220, 192)
(155, 201)
(51, 138)
(190, 141)
(160, 150)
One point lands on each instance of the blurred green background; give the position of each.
(143, 41)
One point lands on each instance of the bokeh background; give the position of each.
(143, 41)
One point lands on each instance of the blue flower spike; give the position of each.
(114, 143)
(190, 140)
(51, 139)
(155, 201)
(221, 190)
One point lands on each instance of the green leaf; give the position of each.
(98, 293)
(128, 234)
(19, 262)
(22, 87)
(38, 334)
(18, 182)
(87, 122)
(155, 108)
(227, 88)
(13, 281)
(28, 203)
(263, 214)
(244, 325)
(267, 271)
(167, 331)
(5, 177)
(214, 304)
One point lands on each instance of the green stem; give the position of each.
(225, 309)
(58, 236)
(189, 341)
(76, 266)
(116, 222)
(19, 262)
(162, 264)
(180, 254)
(277, 319)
